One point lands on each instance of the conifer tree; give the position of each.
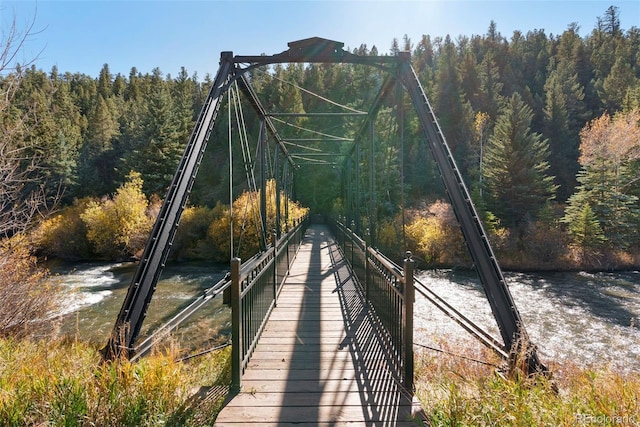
(97, 162)
(454, 112)
(610, 150)
(583, 226)
(562, 110)
(158, 150)
(516, 166)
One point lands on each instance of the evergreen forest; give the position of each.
(545, 129)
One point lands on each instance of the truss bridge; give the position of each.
(322, 321)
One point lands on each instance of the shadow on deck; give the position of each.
(322, 359)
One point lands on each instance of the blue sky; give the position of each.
(81, 36)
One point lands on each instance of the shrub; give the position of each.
(27, 301)
(58, 383)
(455, 391)
(390, 237)
(119, 226)
(545, 246)
(246, 222)
(192, 240)
(435, 236)
(65, 234)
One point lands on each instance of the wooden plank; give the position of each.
(319, 398)
(316, 333)
(305, 386)
(315, 414)
(288, 339)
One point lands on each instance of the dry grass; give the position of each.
(458, 392)
(66, 383)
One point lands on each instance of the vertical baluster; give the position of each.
(409, 298)
(236, 327)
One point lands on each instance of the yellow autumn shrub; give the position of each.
(247, 227)
(64, 235)
(434, 236)
(192, 240)
(119, 226)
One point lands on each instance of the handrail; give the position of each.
(145, 346)
(486, 338)
(381, 282)
(255, 286)
(388, 291)
(220, 287)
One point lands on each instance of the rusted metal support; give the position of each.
(263, 183)
(278, 189)
(274, 242)
(407, 321)
(236, 327)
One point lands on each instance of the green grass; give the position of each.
(67, 384)
(455, 392)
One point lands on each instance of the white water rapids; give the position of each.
(587, 318)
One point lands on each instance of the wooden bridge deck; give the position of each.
(321, 360)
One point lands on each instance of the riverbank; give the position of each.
(66, 383)
(458, 392)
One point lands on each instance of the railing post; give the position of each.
(366, 271)
(236, 327)
(407, 321)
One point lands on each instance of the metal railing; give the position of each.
(163, 331)
(255, 286)
(389, 291)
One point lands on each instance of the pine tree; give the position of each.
(583, 225)
(105, 81)
(610, 150)
(454, 112)
(618, 83)
(516, 166)
(97, 164)
(158, 150)
(562, 110)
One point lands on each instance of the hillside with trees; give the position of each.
(543, 127)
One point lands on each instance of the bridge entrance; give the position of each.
(347, 164)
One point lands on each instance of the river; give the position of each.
(93, 294)
(592, 319)
(586, 318)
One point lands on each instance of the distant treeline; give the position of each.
(534, 120)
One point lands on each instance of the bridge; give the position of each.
(328, 337)
(323, 357)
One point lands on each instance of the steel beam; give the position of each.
(316, 50)
(145, 279)
(316, 114)
(263, 183)
(247, 89)
(502, 305)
